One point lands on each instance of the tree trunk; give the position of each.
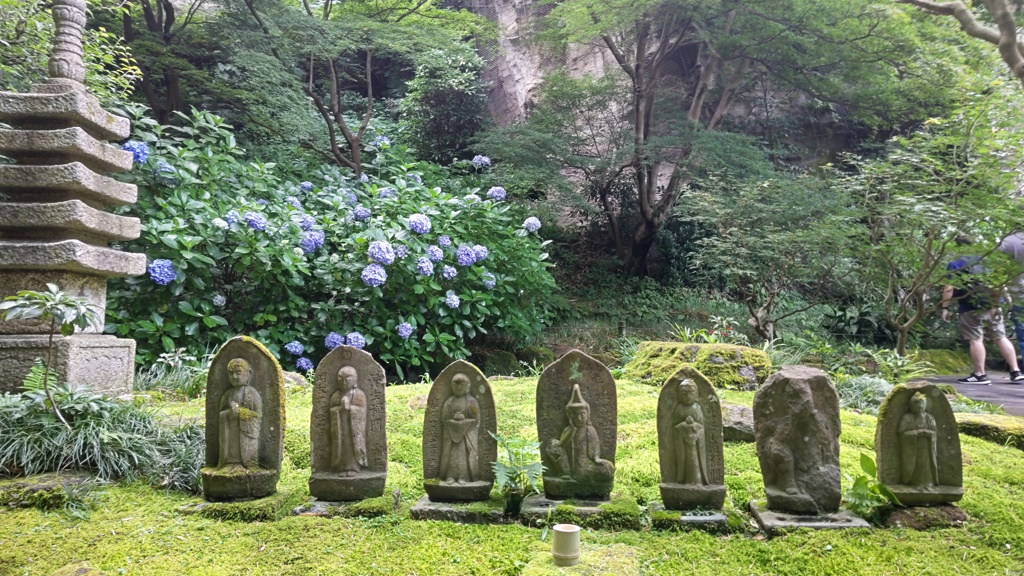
(644, 236)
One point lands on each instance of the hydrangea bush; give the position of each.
(327, 260)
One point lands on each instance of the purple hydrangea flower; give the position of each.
(480, 161)
(451, 299)
(471, 198)
(364, 178)
(381, 141)
(374, 275)
(424, 266)
(387, 192)
(355, 340)
(306, 221)
(489, 280)
(401, 251)
(295, 347)
(304, 364)
(497, 193)
(435, 254)
(449, 272)
(480, 252)
(139, 150)
(361, 212)
(531, 224)
(404, 330)
(415, 178)
(162, 271)
(350, 197)
(256, 221)
(219, 300)
(466, 255)
(231, 217)
(419, 223)
(294, 202)
(306, 186)
(444, 241)
(311, 241)
(263, 202)
(333, 340)
(382, 252)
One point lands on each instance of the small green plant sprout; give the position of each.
(517, 470)
(61, 310)
(865, 494)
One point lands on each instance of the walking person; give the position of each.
(1013, 245)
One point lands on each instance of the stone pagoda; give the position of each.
(53, 227)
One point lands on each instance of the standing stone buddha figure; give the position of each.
(917, 433)
(688, 436)
(241, 413)
(348, 424)
(460, 423)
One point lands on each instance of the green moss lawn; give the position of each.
(138, 530)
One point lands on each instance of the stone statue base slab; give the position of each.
(335, 487)
(103, 363)
(268, 509)
(619, 513)
(785, 503)
(237, 483)
(777, 522)
(932, 496)
(705, 520)
(557, 488)
(465, 492)
(368, 508)
(490, 511)
(924, 517)
(691, 496)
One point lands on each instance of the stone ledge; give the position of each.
(73, 107)
(72, 179)
(103, 363)
(71, 215)
(70, 255)
(775, 523)
(483, 512)
(70, 143)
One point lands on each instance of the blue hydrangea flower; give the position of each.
(361, 212)
(419, 223)
(435, 254)
(470, 198)
(306, 221)
(350, 197)
(294, 202)
(231, 217)
(256, 221)
(466, 255)
(480, 252)
(295, 347)
(355, 340)
(425, 267)
(449, 272)
(387, 192)
(381, 141)
(263, 202)
(444, 241)
(139, 150)
(451, 299)
(333, 340)
(374, 275)
(531, 224)
(311, 241)
(304, 364)
(306, 186)
(364, 178)
(415, 178)
(496, 193)
(489, 280)
(166, 174)
(480, 161)
(401, 251)
(382, 252)
(404, 330)
(219, 300)
(219, 223)
(162, 271)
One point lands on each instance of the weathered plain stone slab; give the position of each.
(349, 449)
(917, 446)
(774, 523)
(578, 455)
(796, 423)
(63, 109)
(64, 182)
(71, 256)
(64, 145)
(103, 363)
(458, 447)
(690, 450)
(61, 220)
(482, 512)
(709, 521)
(619, 513)
(737, 423)
(244, 422)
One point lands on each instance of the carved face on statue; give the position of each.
(918, 403)
(348, 378)
(578, 415)
(239, 372)
(686, 393)
(460, 385)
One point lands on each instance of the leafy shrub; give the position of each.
(289, 261)
(862, 393)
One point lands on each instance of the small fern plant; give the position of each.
(517, 470)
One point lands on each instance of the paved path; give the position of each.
(1000, 392)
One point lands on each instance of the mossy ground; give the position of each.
(654, 362)
(138, 530)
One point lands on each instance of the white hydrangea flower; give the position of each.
(220, 223)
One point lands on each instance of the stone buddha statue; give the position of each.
(688, 436)
(577, 452)
(241, 413)
(917, 433)
(460, 429)
(348, 424)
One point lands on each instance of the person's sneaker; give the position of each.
(975, 379)
(1016, 377)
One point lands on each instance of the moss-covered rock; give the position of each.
(535, 356)
(43, 491)
(501, 363)
(366, 508)
(725, 365)
(999, 428)
(266, 509)
(944, 361)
